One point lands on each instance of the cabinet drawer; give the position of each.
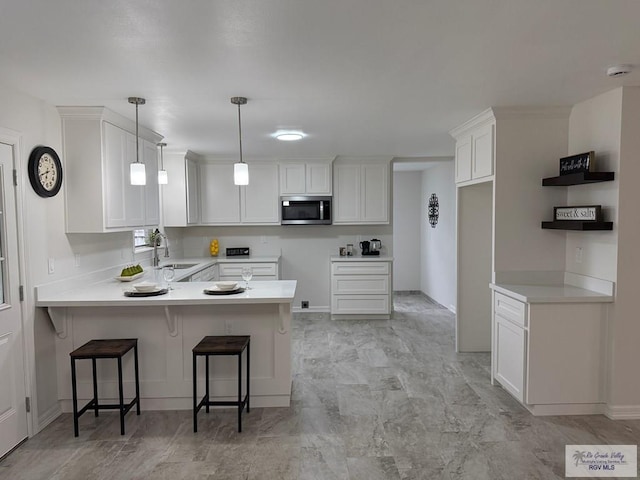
(360, 268)
(511, 309)
(360, 304)
(259, 269)
(360, 284)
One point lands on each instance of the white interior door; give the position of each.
(13, 414)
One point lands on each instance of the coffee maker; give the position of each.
(370, 247)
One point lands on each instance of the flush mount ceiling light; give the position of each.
(137, 172)
(240, 169)
(163, 178)
(289, 136)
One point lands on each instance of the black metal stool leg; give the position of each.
(95, 387)
(135, 364)
(74, 393)
(240, 392)
(206, 383)
(248, 375)
(121, 395)
(195, 396)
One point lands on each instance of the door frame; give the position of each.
(14, 138)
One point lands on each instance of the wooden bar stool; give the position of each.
(221, 345)
(94, 349)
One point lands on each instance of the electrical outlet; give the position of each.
(77, 259)
(51, 266)
(305, 304)
(263, 239)
(578, 254)
(227, 327)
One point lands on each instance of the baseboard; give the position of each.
(623, 412)
(567, 409)
(311, 310)
(47, 417)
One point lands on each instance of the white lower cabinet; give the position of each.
(511, 353)
(261, 270)
(549, 356)
(361, 287)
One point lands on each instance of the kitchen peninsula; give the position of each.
(168, 327)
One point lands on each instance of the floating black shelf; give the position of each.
(577, 225)
(578, 179)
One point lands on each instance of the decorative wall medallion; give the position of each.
(433, 210)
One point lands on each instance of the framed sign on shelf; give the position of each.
(586, 213)
(583, 162)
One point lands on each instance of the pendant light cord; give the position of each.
(137, 137)
(240, 133)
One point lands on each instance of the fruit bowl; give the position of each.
(226, 285)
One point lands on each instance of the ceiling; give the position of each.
(359, 77)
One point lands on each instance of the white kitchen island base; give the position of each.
(167, 328)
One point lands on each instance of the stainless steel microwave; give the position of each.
(305, 210)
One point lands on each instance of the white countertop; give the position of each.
(111, 294)
(361, 258)
(551, 293)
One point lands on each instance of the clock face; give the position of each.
(45, 171)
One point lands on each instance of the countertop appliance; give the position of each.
(237, 252)
(372, 247)
(302, 210)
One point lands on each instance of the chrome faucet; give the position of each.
(157, 240)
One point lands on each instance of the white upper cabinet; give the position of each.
(219, 197)
(259, 200)
(362, 193)
(306, 178)
(475, 155)
(193, 191)
(224, 203)
(98, 146)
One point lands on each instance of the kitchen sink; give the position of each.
(179, 266)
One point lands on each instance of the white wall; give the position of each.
(596, 125)
(438, 259)
(38, 123)
(407, 213)
(305, 250)
(609, 125)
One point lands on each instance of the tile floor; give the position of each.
(371, 400)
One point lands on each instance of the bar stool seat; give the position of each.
(95, 349)
(221, 345)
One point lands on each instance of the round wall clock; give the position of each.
(433, 210)
(45, 171)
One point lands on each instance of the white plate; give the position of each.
(228, 285)
(157, 288)
(146, 287)
(130, 278)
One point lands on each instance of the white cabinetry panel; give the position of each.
(193, 191)
(219, 197)
(361, 288)
(259, 199)
(463, 159)
(98, 146)
(361, 193)
(292, 179)
(510, 356)
(483, 152)
(306, 178)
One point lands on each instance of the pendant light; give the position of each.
(163, 178)
(137, 172)
(240, 169)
